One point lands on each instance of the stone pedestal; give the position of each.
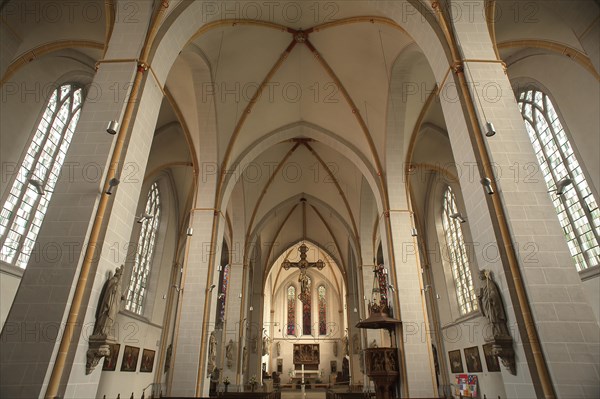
(503, 348)
(99, 347)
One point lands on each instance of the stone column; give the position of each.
(118, 228)
(417, 344)
(234, 305)
(197, 305)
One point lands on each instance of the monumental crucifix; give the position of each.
(303, 265)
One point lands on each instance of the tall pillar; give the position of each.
(118, 229)
(234, 309)
(197, 305)
(420, 372)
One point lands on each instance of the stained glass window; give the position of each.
(223, 295)
(322, 310)
(381, 276)
(138, 286)
(457, 252)
(291, 305)
(577, 209)
(306, 311)
(27, 202)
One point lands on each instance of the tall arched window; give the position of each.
(461, 272)
(307, 309)
(138, 285)
(322, 292)
(291, 306)
(25, 207)
(222, 299)
(577, 209)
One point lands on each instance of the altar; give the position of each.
(307, 357)
(308, 376)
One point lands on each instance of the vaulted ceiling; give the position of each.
(260, 80)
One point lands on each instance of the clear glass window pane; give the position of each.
(62, 108)
(138, 284)
(457, 252)
(576, 208)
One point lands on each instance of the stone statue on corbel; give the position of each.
(356, 343)
(254, 344)
(266, 345)
(245, 358)
(229, 353)
(345, 344)
(492, 307)
(211, 364)
(108, 307)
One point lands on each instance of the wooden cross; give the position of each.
(303, 265)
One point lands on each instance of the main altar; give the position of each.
(306, 365)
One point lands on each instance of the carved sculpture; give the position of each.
(304, 284)
(254, 344)
(266, 343)
(109, 304)
(229, 353)
(212, 354)
(168, 358)
(382, 368)
(278, 348)
(355, 343)
(345, 345)
(361, 361)
(492, 307)
(381, 364)
(306, 354)
(335, 348)
(490, 303)
(345, 370)
(214, 374)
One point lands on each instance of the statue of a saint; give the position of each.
(278, 348)
(168, 358)
(356, 344)
(345, 345)
(266, 342)
(229, 353)
(361, 360)
(109, 304)
(212, 353)
(304, 283)
(490, 304)
(254, 344)
(215, 374)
